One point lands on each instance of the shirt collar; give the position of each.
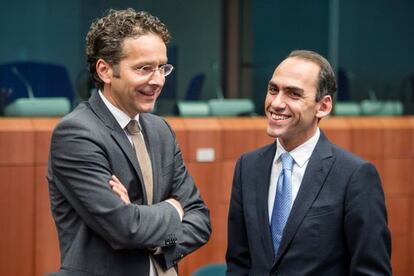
(121, 117)
(302, 153)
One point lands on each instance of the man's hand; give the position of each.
(119, 189)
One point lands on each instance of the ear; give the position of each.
(104, 71)
(324, 107)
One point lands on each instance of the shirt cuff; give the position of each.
(178, 210)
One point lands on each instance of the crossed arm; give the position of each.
(122, 192)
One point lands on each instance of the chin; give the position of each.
(146, 108)
(272, 132)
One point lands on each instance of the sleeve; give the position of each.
(195, 225)
(80, 168)
(366, 229)
(237, 256)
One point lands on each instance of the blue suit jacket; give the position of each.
(337, 225)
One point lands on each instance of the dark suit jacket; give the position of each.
(337, 225)
(98, 233)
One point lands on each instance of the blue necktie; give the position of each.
(283, 201)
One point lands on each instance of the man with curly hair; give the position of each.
(121, 196)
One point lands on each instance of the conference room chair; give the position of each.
(35, 89)
(211, 270)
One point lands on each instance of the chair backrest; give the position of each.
(231, 107)
(195, 87)
(211, 270)
(193, 109)
(39, 79)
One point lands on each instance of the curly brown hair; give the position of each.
(106, 35)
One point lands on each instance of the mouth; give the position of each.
(148, 93)
(279, 117)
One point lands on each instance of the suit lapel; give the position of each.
(262, 172)
(318, 168)
(117, 133)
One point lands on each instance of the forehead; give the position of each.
(148, 45)
(296, 71)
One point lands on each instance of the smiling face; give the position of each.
(290, 104)
(124, 87)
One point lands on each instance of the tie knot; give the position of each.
(287, 161)
(133, 127)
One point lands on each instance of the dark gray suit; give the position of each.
(98, 233)
(337, 225)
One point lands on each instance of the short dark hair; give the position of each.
(326, 83)
(106, 35)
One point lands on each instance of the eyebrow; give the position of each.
(286, 88)
(294, 88)
(271, 83)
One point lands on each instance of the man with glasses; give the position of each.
(121, 196)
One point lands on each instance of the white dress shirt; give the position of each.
(300, 155)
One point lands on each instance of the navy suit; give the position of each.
(337, 225)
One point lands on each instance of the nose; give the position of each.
(157, 78)
(278, 101)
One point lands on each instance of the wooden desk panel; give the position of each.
(46, 257)
(16, 142)
(262, 138)
(218, 240)
(208, 178)
(399, 219)
(178, 126)
(398, 137)
(226, 181)
(401, 255)
(42, 134)
(17, 220)
(409, 242)
(338, 131)
(203, 133)
(396, 175)
(238, 136)
(367, 137)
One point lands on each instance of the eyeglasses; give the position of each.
(148, 70)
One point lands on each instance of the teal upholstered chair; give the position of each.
(381, 108)
(193, 109)
(35, 89)
(231, 107)
(211, 270)
(347, 109)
